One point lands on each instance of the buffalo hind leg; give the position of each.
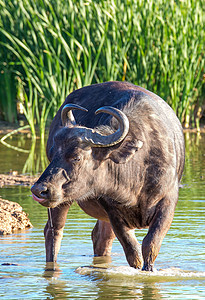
(102, 237)
(53, 235)
(158, 228)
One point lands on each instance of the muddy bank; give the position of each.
(13, 179)
(6, 127)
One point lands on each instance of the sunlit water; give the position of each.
(180, 266)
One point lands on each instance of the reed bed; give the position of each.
(51, 47)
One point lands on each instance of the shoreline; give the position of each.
(11, 179)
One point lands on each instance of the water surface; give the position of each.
(180, 265)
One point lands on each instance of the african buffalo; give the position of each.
(120, 156)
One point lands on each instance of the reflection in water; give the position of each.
(55, 288)
(105, 290)
(2, 140)
(35, 163)
(52, 269)
(104, 284)
(120, 289)
(23, 154)
(120, 286)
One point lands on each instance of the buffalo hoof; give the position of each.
(148, 268)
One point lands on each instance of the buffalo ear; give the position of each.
(126, 150)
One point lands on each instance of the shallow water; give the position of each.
(180, 265)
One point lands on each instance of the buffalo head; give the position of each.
(76, 156)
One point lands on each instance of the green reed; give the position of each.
(53, 47)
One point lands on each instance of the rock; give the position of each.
(12, 217)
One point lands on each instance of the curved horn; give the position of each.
(67, 115)
(99, 140)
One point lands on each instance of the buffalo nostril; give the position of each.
(40, 190)
(44, 193)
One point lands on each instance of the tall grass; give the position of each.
(51, 47)
(7, 94)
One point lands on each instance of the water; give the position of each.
(180, 265)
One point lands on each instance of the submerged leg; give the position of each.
(53, 231)
(102, 237)
(158, 228)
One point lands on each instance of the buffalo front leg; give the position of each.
(158, 228)
(102, 237)
(127, 238)
(53, 231)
